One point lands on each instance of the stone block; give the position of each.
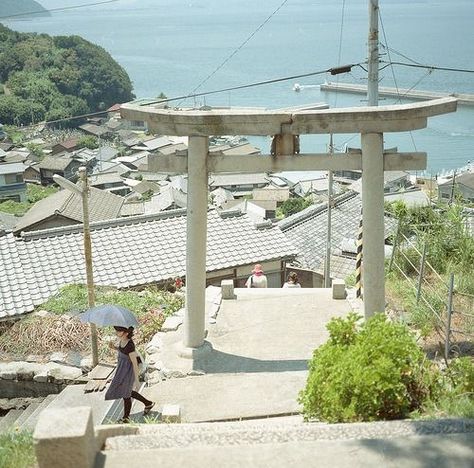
(227, 289)
(62, 373)
(338, 289)
(64, 437)
(172, 323)
(171, 414)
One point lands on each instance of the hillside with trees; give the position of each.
(20, 7)
(49, 78)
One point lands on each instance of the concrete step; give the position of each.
(447, 450)
(217, 434)
(30, 422)
(26, 414)
(7, 420)
(73, 396)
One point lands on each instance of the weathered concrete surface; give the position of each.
(261, 345)
(444, 451)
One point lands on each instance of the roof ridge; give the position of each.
(313, 210)
(98, 225)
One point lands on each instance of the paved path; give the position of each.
(261, 345)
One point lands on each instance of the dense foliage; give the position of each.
(292, 206)
(48, 78)
(375, 371)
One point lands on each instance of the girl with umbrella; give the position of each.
(125, 382)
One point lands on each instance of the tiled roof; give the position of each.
(102, 205)
(223, 179)
(126, 252)
(12, 168)
(55, 163)
(307, 230)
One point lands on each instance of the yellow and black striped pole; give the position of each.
(359, 260)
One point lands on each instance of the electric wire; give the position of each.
(180, 98)
(393, 74)
(340, 46)
(236, 50)
(72, 7)
(430, 67)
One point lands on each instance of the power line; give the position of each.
(250, 85)
(430, 67)
(393, 74)
(72, 7)
(340, 45)
(236, 50)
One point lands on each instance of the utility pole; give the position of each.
(373, 54)
(327, 263)
(88, 258)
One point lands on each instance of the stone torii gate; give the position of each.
(198, 125)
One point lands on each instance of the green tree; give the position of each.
(88, 141)
(293, 205)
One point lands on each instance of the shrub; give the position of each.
(373, 372)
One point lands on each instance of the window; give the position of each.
(13, 179)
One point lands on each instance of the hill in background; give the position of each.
(17, 7)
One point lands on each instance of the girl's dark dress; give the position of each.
(124, 378)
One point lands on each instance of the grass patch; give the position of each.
(60, 332)
(16, 450)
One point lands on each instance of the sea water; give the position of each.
(173, 46)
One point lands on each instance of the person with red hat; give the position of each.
(257, 279)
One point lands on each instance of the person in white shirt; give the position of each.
(257, 279)
(292, 281)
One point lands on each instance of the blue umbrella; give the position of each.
(109, 315)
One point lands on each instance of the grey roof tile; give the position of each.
(126, 252)
(307, 230)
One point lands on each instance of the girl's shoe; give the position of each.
(123, 421)
(148, 408)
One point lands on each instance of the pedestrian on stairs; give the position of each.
(125, 383)
(257, 279)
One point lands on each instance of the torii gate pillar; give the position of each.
(373, 229)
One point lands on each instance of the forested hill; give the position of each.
(49, 78)
(17, 7)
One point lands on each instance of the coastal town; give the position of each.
(235, 273)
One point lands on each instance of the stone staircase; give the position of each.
(25, 420)
(72, 396)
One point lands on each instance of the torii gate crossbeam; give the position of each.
(198, 125)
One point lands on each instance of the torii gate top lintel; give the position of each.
(245, 121)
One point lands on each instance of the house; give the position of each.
(169, 198)
(109, 181)
(153, 144)
(65, 165)
(12, 183)
(134, 252)
(113, 111)
(276, 194)
(32, 174)
(411, 198)
(98, 131)
(64, 208)
(239, 184)
(394, 181)
(307, 230)
(304, 188)
(68, 145)
(219, 196)
(258, 210)
(462, 185)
